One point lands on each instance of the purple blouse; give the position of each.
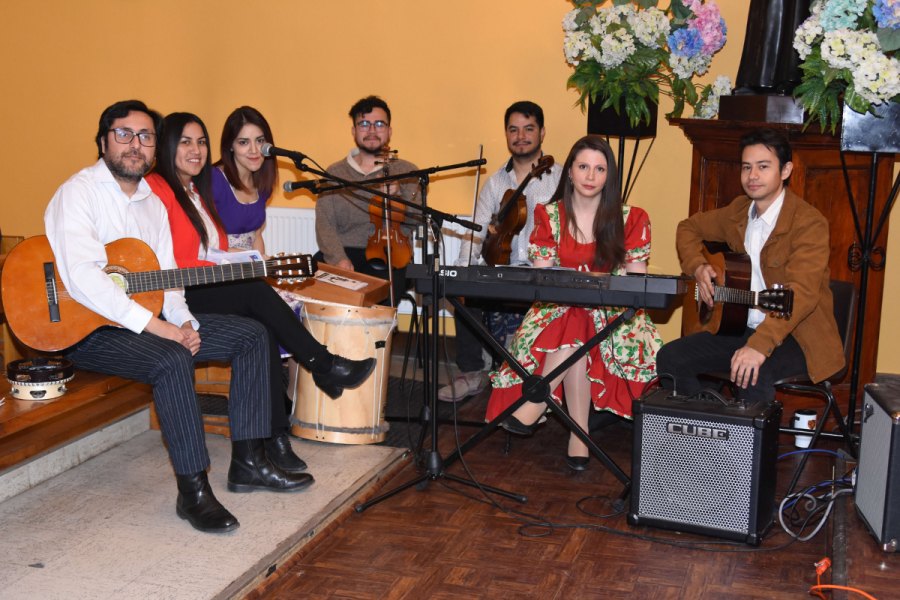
(237, 217)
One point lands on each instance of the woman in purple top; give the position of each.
(244, 178)
(242, 183)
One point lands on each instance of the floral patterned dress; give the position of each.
(618, 367)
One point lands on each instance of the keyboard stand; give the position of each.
(538, 387)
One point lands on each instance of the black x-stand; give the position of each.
(534, 388)
(434, 466)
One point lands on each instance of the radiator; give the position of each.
(294, 230)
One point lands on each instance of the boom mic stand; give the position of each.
(434, 220)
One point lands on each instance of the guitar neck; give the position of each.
(151, 281)
(735, 296)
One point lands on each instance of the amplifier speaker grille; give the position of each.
(704, 467)
(695, 480)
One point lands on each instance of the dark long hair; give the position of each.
(165, 166)
(267, 176)
(609, 229)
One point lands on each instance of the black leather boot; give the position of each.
(279, 451)
(197, 504)
(252, 470)
(344, 373)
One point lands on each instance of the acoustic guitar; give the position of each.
(43, 315)
(510, 218)
(732, 299)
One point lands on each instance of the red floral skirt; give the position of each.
(571, 330)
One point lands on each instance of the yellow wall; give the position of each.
(447, 69)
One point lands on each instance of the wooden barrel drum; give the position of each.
(357, 417)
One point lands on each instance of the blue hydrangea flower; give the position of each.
(887, 13)
(685, 42)
(841, 13)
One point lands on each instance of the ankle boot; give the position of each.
(197, 504)
(279, 451)
(344, 373)
(252, 470)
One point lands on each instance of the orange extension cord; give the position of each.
(822, 566)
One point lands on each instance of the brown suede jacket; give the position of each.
(796, 255)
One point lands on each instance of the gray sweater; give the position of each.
(342, 221)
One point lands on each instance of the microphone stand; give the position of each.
(434, 220)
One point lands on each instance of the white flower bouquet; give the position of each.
(632, 51)
(848, 48)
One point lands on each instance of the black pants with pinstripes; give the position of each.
(169, 367)
(257, 300)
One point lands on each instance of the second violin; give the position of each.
(511, 218)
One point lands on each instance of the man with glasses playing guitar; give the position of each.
(787, 242)
(106, 202)
(527, 174)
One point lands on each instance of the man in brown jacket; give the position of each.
(787, 241)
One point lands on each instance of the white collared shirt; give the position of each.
(212, 234)
(538, 191)
(759, 228)
(89, 211)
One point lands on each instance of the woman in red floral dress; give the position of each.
(586, 227)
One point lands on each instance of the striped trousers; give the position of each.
(169, 367)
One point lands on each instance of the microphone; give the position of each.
(290, 186)
(268, 149)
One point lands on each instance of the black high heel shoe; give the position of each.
(513, 425)
(577, 463)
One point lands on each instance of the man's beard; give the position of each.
(373, 152)
(120, 171)
(526, 151)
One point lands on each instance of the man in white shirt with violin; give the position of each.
(524, 125)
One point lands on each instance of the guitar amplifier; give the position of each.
(877, 488)
(704, 467)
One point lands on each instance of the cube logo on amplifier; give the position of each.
(697, 431)
(704, 467)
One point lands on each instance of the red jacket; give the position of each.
(185, 239)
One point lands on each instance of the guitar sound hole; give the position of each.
(705, 313)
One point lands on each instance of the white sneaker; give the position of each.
(463, 386)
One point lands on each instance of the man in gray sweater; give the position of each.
(343, 225)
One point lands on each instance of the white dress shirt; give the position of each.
(212, 234)
(759, 228)
(89, 211)
(538, 191)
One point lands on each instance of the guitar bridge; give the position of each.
(52, 296)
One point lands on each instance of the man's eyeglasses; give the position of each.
(367, 125)
(124, 136)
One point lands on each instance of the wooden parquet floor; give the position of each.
(438, 544)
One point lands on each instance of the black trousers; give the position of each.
(693, 355)
(257, 300)
(169, 367)
(357, 257)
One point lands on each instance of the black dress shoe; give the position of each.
(197, 504)
(513, 425)
(279, 451)
(252, 470)
(577, 463)
(344, 373)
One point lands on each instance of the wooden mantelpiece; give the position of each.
(819, 179)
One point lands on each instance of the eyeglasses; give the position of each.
(124, 136)
(367, 125)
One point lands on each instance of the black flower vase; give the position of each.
(610, 123)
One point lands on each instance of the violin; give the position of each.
(387, 226)
(511, 218)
